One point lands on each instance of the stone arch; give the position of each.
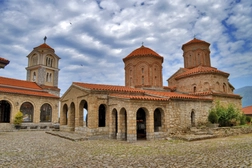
(28, 111)
(224, 87)
(83, 113)
(206, 86)
(5, 111)
(34, 59)
(71, 117)
(122, 125)
(114, 124)
(46, 113)
(193, 118)
(102, 116)
(217, 86)
(64, 115)
(141, 123)
(158, 116)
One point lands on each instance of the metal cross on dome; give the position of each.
(45, 39)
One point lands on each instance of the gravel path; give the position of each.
(38, 149)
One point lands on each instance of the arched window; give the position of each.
(50, 77)
(224, 87)
(49, 61)
(47, 77)
(34, 76)
(142, 80)
(27, 110)
(102, 116)
(34, 60)
(194, 89)
(46, 113)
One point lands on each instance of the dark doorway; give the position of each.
(157, 120)
(4, 112)
(102, 116)
(141, 124)
(193, 118)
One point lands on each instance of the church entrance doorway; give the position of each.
(141, 124)
(4, 111)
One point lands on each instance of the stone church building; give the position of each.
(37, 97)
(144, 108)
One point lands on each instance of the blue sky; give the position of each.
(92, 37)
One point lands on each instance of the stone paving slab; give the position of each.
(37, 149)
(68, 135)
(192, 137)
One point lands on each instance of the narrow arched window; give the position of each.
(34, 76)
(46, 113)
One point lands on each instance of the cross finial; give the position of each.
(45, 39)
(142, 43)
(194, 36)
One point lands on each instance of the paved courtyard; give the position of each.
(39, 149)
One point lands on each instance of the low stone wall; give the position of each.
(39, 126)
(230, 131)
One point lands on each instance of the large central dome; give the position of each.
(142, 51)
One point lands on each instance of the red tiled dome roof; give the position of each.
(193, 41)
(143, 51)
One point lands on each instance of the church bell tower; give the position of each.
(43, 68)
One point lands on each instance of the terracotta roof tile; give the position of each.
(107, 87)
(143, 51)
(175, 95)
(247, 110)
(18, 83)
(26, 92)
(193, 41)
(9, 85)
(200, 70)
(139, 94)
(139, 97)
(3, 60)
(44, 45)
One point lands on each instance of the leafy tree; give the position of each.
(227, 116)
(248, 119)
(212, 117)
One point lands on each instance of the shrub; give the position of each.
(18, 118)
(212, 117)
(227, 116)
(248, 119)
(242, 119)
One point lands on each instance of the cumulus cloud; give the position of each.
(92, 37)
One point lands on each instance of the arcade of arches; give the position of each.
(144, 108)
(27, 108)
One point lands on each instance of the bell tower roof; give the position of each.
(194, 41)
(44, 45)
